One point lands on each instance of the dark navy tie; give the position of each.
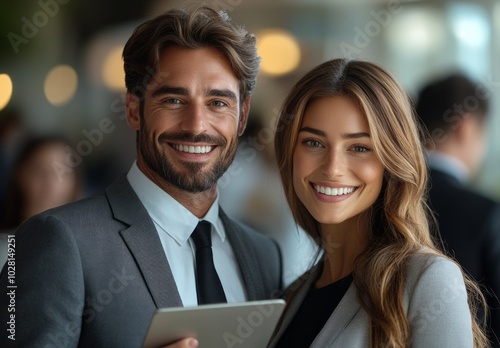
(208, 285)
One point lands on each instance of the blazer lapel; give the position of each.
(247, 263)
(340, 318)
(144, 244)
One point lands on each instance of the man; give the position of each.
(91, 274)
(454, 110)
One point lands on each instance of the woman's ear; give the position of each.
(133, 111)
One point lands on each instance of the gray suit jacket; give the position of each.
(92, 273)
(435, 301)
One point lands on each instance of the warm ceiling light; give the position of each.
(112, 70)
(60, 84)
(5, 90)
(279, 50)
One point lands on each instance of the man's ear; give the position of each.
(133, 111)
(464, 127)
(245, 110)
(470, 129)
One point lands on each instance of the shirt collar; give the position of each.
(171, 216)
(449, 165)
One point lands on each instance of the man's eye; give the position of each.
(218, 103)
(172, 101)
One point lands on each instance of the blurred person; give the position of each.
(35, 185)
(12, 135)
(454, 109)
(189, 76)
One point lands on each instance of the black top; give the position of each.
(313, 313)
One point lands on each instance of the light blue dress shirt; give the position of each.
(449, 165)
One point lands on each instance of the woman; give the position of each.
(40, 180)
(353, 170)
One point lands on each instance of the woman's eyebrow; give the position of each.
(344, 135)
(313, 131)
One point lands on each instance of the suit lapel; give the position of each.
(247, 262)
(144, 244)
(340, 318)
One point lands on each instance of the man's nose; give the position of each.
(195, 119)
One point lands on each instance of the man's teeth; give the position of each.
(192, 149)
(329, 191)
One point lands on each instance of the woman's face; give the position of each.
(40, 183)
(336, 174)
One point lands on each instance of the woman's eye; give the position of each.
(312, 143)
(359, 148)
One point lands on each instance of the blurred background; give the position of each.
(61, 73)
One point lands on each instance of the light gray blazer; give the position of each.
(435, 301)
(92, 273)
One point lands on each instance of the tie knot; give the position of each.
(202, 235)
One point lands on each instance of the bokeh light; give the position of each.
(5, 90)
(60, 84)
(279, 50)
(417, 32)
(112, 70)
(469, 24)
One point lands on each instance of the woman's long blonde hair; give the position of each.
(400, 217)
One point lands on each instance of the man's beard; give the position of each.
(193, 179)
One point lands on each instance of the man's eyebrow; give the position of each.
(344, 135)
(169, 90)
(184, 92)
(225, 93)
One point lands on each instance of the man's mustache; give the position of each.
(192, 138)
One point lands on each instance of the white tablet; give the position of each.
(241, 325)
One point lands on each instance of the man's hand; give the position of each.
(185, 343)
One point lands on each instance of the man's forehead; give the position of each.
(190, 84)
(195, 70)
